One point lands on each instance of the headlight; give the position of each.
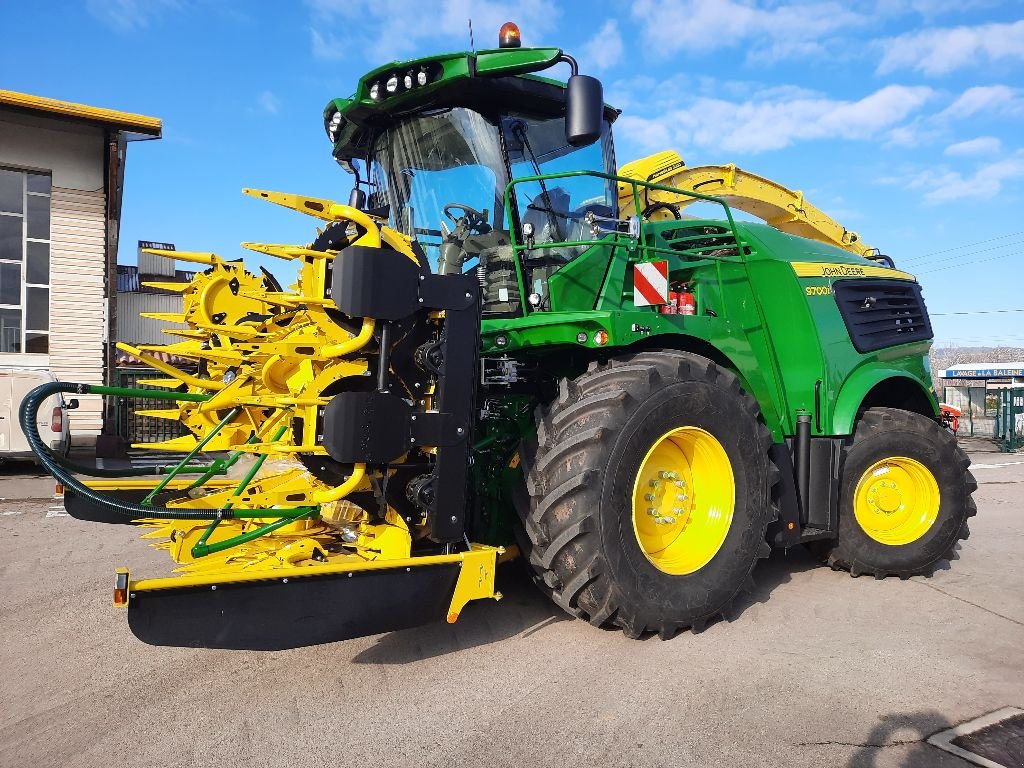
(408, 80)
(375, 91)
(333, 127)
(421, 76)
(392, 85)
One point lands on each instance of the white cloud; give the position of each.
(975, 101)
(268, 102)
(779, 30)
(326, 47)
(785, 117)
(985, 98)
(941, 51)
(929, 8)
(920, 130)
(942, 185)
(983, 145)
(604, 50)
(126, 16)
(383, 30)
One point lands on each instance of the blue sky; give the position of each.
(903, 119)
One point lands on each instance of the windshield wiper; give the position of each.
(519, 129)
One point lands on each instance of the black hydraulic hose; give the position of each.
(27, 416)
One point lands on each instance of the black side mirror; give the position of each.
(357, 197)
(71, 404)
(584, 108)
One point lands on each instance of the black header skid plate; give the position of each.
(279, 613)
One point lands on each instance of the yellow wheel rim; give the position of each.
(896, 500)
(683, 500)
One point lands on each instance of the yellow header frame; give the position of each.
(151, 126)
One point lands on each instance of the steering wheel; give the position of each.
(475, 220)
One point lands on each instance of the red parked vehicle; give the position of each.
(950, 417)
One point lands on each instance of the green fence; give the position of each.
(1010, 419)
(143, 429)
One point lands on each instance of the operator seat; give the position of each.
(550, 217)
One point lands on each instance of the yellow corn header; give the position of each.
(268, 528)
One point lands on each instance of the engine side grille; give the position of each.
(701, 240)
(882, 313)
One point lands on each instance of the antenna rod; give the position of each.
(472, 45)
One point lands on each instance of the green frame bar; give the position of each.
(200, 549)
(646, 250)
(231, 416)
(152, 394)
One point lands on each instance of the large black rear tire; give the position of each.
(886, 439)
(579, 531)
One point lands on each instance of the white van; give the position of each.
(52, 419)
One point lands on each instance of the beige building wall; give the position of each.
(78, 308)
(74, 156)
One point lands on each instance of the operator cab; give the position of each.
(442, 176)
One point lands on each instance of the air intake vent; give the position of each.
(882, 313)
(701, 240)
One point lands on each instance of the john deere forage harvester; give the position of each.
(502, 346)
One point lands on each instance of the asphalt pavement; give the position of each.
(814, 669)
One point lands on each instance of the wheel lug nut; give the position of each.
(668, 475)
(667, 520)
(654, 483)
(649, 497)
(681, 497)
(680, 483)
(652, 512)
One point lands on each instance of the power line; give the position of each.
(963, 256)
(975, 312)
(980, 341)
(993, 341)
(966, 245)
(979, 261)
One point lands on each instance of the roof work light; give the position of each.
(508, 36)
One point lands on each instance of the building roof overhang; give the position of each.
(133, 126)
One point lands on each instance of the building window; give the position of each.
(24, 261)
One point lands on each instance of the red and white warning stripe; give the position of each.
(650, 283)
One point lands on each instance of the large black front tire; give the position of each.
(578, 530)
(882, 433)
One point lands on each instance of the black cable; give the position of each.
(975, 312)
(971, 264)
(961, 257)
(961, 247)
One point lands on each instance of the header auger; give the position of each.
(481, 358)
